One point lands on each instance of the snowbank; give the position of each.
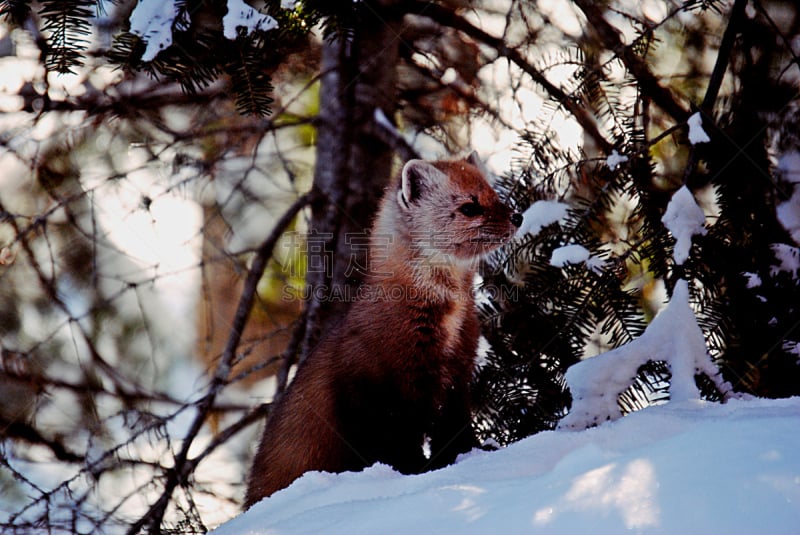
(683, 467)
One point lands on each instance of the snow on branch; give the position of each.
(240, 15)
(154, 20)
(673, 338)
(541, 214)
(788, 212)
(576, 254)
(684, 219)
(788, 259)
(615, 159)
(696, 132)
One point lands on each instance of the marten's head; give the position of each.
(450, 209)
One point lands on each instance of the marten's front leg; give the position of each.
(452, 432)
(379, 425)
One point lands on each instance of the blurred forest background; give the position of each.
(174, 175)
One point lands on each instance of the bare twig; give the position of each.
(254, 415)
(387, 133)
(31, 435)
(49, 286)
(724, 56)
(290, 353)
(183, 467)
(447, 17)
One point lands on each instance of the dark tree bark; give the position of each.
(353, 165)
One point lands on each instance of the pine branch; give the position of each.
(68, 23)
(119, 103)
(250, 80)
(647, 81)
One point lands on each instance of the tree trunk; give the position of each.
(352, 167)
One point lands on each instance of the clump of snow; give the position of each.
(152, 20)
(788, 258)
(614, 159)
(449, 76)
(696, 132)
(788, 213)
(673, 337)
(595, 263)
(569, 254)
(540, 214)
(684, 219)
(753, 280)
(240, 15)
(689, 467)
(789, 166)
(792, 347)
(575, 254)
(289, 4)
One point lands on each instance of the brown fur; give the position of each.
(398, 369)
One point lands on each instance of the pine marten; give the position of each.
(397, 371)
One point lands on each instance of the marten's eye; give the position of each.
(471, 209)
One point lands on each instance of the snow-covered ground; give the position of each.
(683, 467)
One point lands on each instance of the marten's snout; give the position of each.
(516, 219)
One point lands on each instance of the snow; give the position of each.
(569, 254)
(696, 132)
(788, 258)
(789, 166)
(575, 254)
(152, 20)
(614, 159)
(241, 15)
(753, 280)
(596, 383)
(450, 76)
(684, 219)
(540, 214)
(683, 467)
(792, 347)
(788, 212)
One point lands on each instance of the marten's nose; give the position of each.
(516, 219)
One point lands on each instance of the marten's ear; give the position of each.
(475, 160)
(417, 177)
